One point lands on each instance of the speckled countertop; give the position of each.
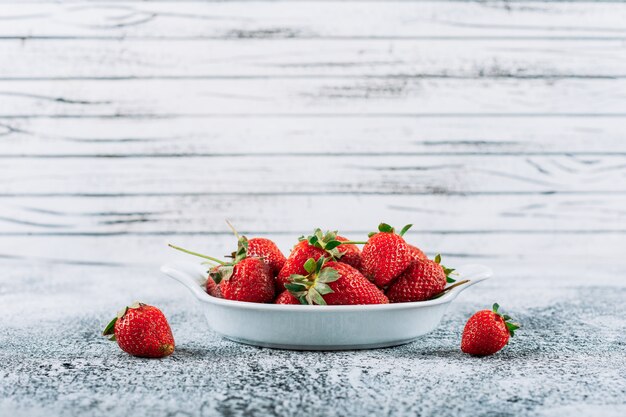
(568, 358)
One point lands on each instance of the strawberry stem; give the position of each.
(233, 229)
(456, 284)
(210, 258)
(445, 290)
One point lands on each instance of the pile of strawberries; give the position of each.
(325, 268)
(322, 269)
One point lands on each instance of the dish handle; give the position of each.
(472, 274)
(190, 279)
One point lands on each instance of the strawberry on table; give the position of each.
(422, 280)
(242, 279)
(319, 244)
(385, 255)
(142, 330)
(486, 332)
(333, 283)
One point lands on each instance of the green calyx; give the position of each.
(221, 273)
(109, 330)
(225, 271)
(326, 241)
(310, 288)
(242, 245)
(385, 228)
(242, 250)
(447, 271)
(511, 327)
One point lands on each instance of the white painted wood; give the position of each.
(201, 58)
(548, 255)
(379, 136)
(356, 97)
(335, 174)
(274, 214)
(448, 40)
(123, 20)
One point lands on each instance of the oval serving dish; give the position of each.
(312, 327)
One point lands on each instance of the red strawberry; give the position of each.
(286, 297)
(315, 246)
(295, 262)
(422, 280)
(243, 279)
(334, 283)
(142, 330)
(268, 251)
(212, 288)
(417, 253)
(249, 280)
(486, 332)
(260, 247)
(385, 255)
(350, 253)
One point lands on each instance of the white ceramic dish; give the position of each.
(304, 327)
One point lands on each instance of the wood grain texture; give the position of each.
(314, 137)
(313, 97)
(188, 137)
(257, 175)
(274, 214)
(312, 58)
(310, 19)
(549, 256)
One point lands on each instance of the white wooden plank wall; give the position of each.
(496, 127)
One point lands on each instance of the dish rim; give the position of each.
(184, 276)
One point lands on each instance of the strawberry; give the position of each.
(486, 332)
(318, 244)
(243, 279)
(260, 247)
(295, 262)
(417, 253)
(333, 283)
(211, 287)
(385, 255)
(268, 251)
(350, 253)
(286, 297)
(249, 280)
(142, 330)
(422, 280)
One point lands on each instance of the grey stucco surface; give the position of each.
(568, 359)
